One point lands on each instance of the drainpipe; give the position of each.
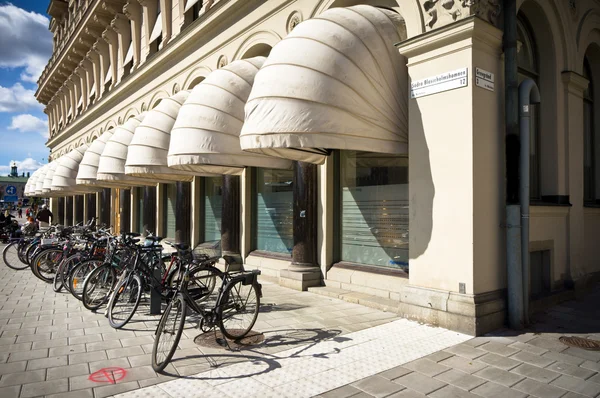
(528, 94)
(511, 112)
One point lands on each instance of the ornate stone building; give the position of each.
(377, 137)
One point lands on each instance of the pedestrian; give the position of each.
(20, 212)
(27, 213)
(44, 217)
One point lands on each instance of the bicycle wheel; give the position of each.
(78, 275)
(45, 263)
(238, 310)
(69, 266)
(97, 287)
(168, 333)
(31, 252)
(10, 255)
(23, 246)
(202, 283)
(124, 301)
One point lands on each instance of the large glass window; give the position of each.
(169, 203)
(273, 229)
(374, 209)
(528, 67)
(213, 204)
(589, 161)
(140, 209)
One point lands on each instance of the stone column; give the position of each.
(104, 204)
(110, 37)
(574, 86)
(101, 48)
(125, 209)
(183, 213)
(120, 25)
(69, 211)
(149, 11)
(304, 272)
(149, 210)
(78, 209)
(61, 211)
(230, 217)
(133, 11)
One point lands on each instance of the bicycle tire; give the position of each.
(132, 287)
(70, 264)
(57, 283)
(23, 245)
(78, 275)
(9, 257)
(103, 278)
(159, 363)
(31, 252)
(239, 311)
(44, 264)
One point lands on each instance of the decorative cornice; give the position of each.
(132, 10)
(574, 82)
(438, 13)
(120, 23)
(109, 35)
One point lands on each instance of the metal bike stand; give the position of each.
(155, 298)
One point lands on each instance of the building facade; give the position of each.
(380, 170)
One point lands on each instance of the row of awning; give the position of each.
(335, 82)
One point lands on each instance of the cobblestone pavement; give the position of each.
(314, 345)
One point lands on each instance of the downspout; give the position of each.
(528, 94)
(511, 114)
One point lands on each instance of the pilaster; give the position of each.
(111, 38)
(120, 24)
(133, 11)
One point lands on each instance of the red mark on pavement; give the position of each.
(108, 375)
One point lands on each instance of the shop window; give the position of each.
(213, 203)
(540, 273)
(528, 67)
(169, 203)
(140, 210)
(589, 157)
(273, 211)
(373, 209)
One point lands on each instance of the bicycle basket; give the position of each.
(207, 251)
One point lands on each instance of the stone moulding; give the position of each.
(438, 13)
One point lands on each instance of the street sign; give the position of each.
(440, 83)
(14, 198)
(484, 79)
(10, 190)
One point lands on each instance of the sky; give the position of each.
(25, 47)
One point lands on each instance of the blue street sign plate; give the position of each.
(11, 198)
(10, 190)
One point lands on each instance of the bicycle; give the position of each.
(235, 309)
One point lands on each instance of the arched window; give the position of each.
(528, 64)
(589, 161)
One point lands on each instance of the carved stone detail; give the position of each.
(293, 20)
(573, 8)
(222, 61)
(443, 12)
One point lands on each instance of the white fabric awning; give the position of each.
(189, 4)
(206, 134)
(111, 167)
(157, 30)
(65, 174)
(47, 185)
(129, 55)
(30, 189)
(335, 82)
(88, 168)
(39, 183)
(147, 153)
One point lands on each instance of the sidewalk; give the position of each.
(313, 345)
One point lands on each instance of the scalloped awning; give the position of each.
(39, 183)
(111, 167)
(147, 153)
(47, 185)
(30, 188)
(206, 134)
(88, 168)
(65, 174)
(335, 82)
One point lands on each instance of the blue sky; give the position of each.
(25, 46)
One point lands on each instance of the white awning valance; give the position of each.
(206, 134)
(88, 168)
(65, 175)
(189, 4)
(111, 168)
(39, 183)
(30, 191)
(47, 185)
(147, 153)
(157, 30)
(335, 82)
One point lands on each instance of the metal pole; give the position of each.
(528, 94)
(513, 231)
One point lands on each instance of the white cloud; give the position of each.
(26, 123)
(23, 166)
(25, 41)
(17, 98)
